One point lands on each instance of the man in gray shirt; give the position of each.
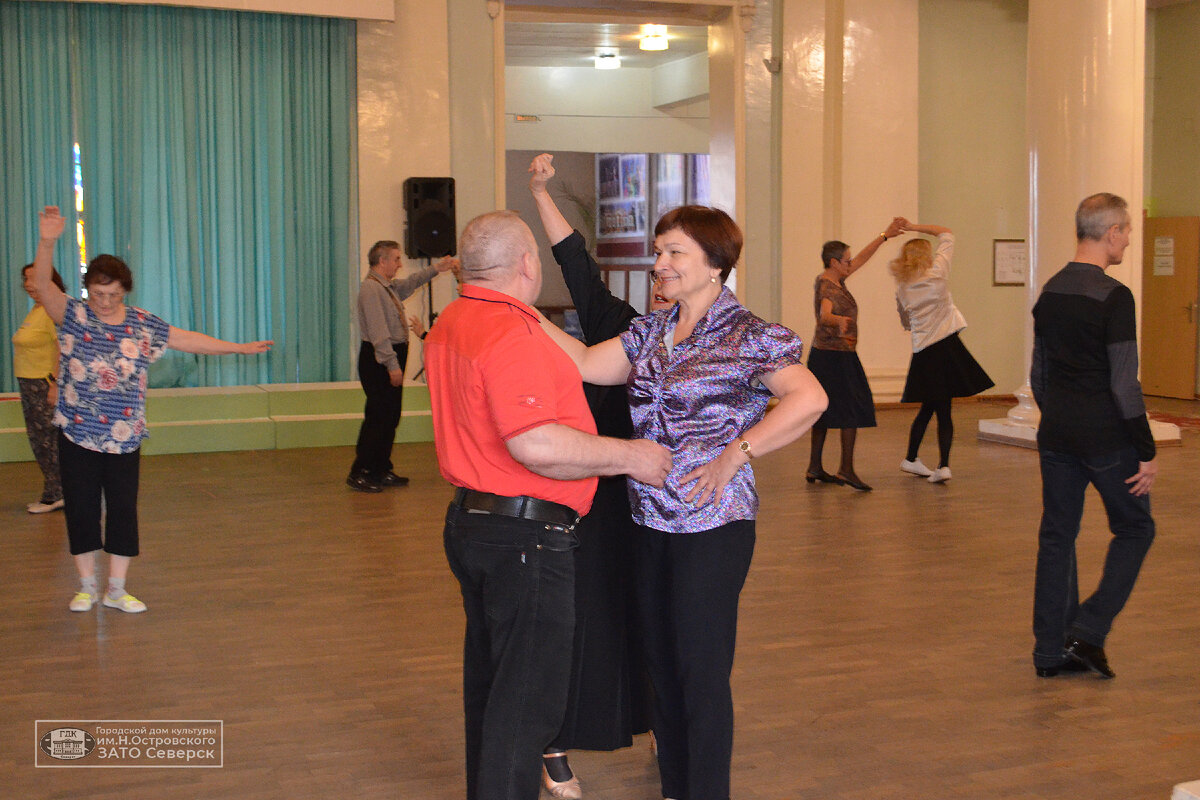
(381, 361)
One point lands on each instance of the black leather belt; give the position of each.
(522, 507)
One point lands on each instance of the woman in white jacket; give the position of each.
(941, 367)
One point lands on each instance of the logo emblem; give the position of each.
(67, 744)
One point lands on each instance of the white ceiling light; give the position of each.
(653, 37)
(607, 58)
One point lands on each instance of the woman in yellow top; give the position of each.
(35, 363)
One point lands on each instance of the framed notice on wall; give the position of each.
(1010, 262)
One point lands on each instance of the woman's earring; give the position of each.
(713, 279)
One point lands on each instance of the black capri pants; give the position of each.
(88, 476)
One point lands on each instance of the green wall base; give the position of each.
(264, 417)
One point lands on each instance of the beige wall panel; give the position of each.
(879, 170)
(403, 126)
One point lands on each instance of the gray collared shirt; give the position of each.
(380, 321)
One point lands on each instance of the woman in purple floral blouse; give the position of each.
(699, 377)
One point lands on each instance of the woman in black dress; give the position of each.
(608, 698)
(835, 363)
(941, 368)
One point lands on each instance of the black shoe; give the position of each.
(823, 477)
(1069, 665)
(854, 483)
(392, 479)
(1090, 656)
(361, 483)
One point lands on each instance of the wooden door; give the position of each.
(1170, 283)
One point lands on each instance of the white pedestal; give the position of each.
(1187, 791)
(1006, 431)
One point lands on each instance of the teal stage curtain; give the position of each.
(217, 151)
(35, 153)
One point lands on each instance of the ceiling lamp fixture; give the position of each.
(654, 37)
(607, 58)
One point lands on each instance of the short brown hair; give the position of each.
(715, 231)
(379, 248)
(54, 276)
(106, 269)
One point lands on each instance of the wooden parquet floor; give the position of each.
(884, 648)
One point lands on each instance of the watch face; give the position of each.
(744, 446)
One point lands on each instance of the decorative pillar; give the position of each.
(1084, 115)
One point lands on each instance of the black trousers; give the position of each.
(688, 586)
(517, 579)
(89, 476)
(381, 414)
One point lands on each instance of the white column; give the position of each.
(1084, 112)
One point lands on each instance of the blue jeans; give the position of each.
(518, 587)
(1057, 612)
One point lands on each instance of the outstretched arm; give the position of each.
(894, 229)
(603, 364)
(205, 345)
(932, 230)
(51, 225)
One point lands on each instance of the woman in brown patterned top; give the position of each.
(835, 363)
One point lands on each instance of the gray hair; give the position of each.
(492, 244)
(1099, 212)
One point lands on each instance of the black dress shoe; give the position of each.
(1070, 665)
(1090, 656)
(853, 483)
(823, 477)
(392, 479)
(361, 483)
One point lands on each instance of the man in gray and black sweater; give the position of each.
(1093, 430)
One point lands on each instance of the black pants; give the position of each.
(89, 476)
(688, 587)
(518, 587)
(381, 414)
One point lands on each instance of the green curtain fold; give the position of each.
(217, 156)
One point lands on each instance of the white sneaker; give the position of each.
(126, 602)
(915, 467)
(940, 475)
(41, 508)
(82, 601)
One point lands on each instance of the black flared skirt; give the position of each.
(944, 369)
(841, 374)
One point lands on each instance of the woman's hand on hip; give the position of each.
(711, 479)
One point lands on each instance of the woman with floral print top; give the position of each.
(105, 349)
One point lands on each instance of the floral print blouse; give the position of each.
(102, 376)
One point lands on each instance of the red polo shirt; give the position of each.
(493, 374)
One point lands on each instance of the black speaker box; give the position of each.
(429, 204)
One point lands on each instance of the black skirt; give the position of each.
(944, 369)
(841, 374)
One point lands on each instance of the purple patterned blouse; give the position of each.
(697, 399)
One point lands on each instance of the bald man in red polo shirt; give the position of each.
(514, 434)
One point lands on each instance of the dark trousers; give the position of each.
(88, 477)
(688, 586)
(1057, 612)
(518, 587)
(381, 414)
(43, 436)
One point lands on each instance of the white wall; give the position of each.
(403, 131)
(849, 161)
(601, 111)
(973, 169)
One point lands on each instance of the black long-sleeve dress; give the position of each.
(608, 701)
